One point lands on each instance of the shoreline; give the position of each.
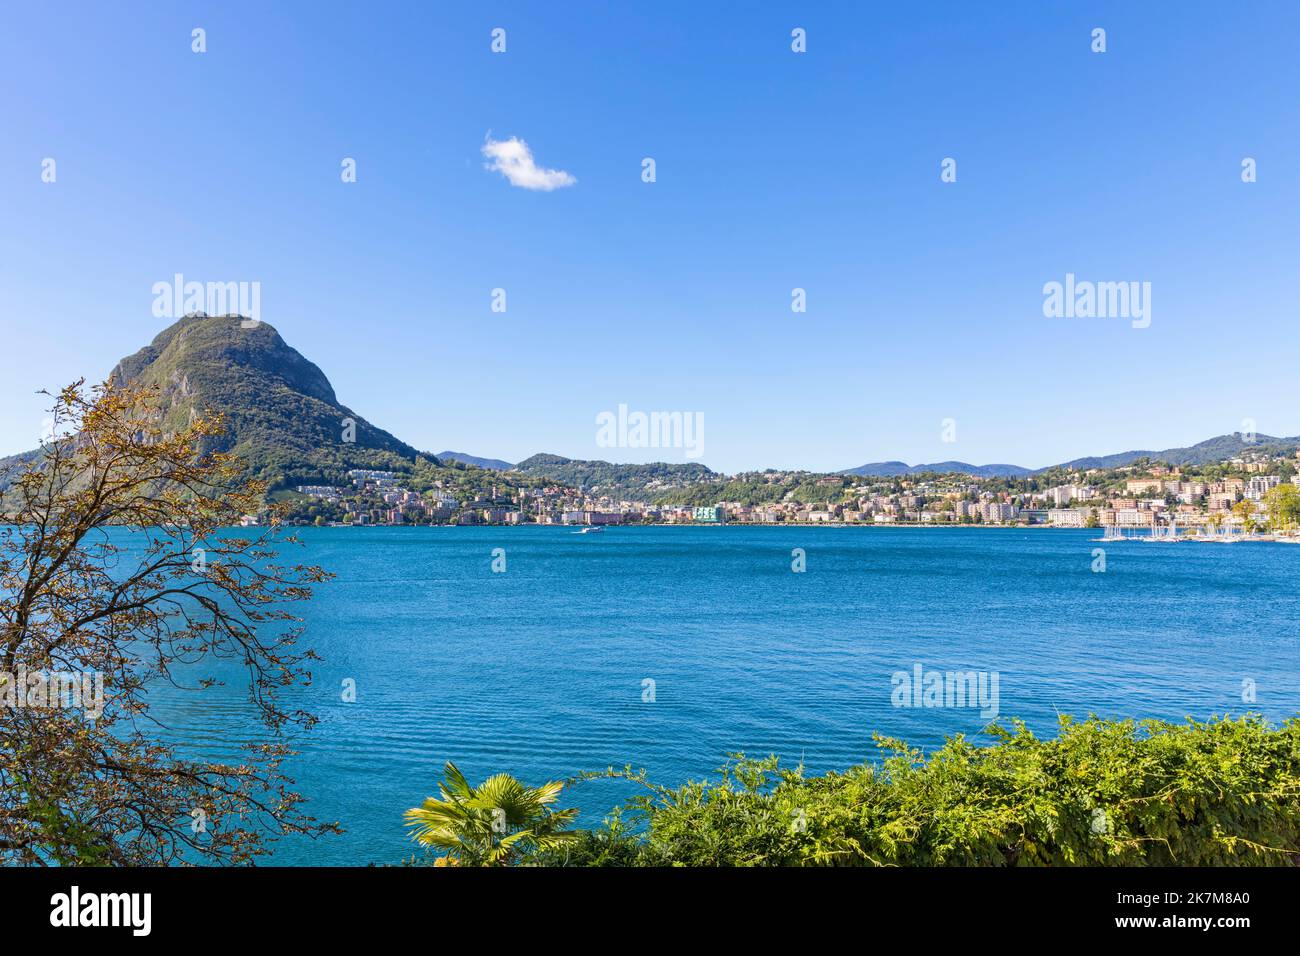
(1203, 538)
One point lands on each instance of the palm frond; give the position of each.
(468, 821)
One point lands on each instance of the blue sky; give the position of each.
(775, 170)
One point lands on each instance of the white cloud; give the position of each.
(514, 160)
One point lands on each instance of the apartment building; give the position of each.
(1258, 485)
(1067, 517)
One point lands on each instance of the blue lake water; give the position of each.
(539, 670)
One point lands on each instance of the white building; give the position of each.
(1257, 485)
(1135, 517)
(1067, 517)
(997, 511)
(1064, 494)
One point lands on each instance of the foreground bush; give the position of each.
(1102, 792)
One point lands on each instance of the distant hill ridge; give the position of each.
(605, 477)
(493, 464)
(1215, 449)
(892, 469)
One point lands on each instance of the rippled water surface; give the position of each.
(540, 670)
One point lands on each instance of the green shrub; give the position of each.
(1226, 792)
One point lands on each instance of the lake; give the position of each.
(542, 670)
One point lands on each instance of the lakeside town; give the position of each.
(1241, 495)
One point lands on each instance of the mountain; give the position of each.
(492, 464)
(880, 469)
(893, 469)
(282, 416)
(12, 467)
(633, 482)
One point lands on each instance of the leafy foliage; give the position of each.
(1283, 503)
(169, 597)
(1221, 793)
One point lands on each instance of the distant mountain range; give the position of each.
(1215, 449)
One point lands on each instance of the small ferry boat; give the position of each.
(590, 529)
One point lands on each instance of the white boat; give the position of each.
(591, 529)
